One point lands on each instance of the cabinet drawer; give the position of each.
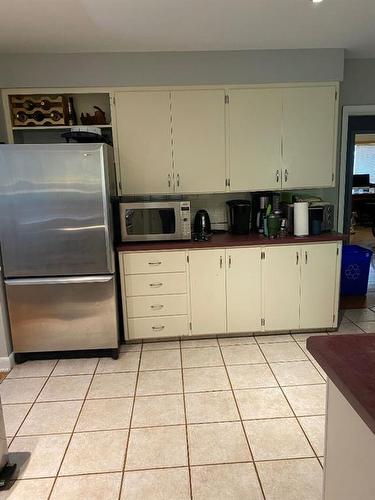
(154, 262)
(155, 284)
(167, 326)
(162, 305)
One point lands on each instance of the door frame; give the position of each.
(347, 112)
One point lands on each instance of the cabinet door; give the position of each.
(255, 139)
(309, 136)
(198, 128)
(144, 142)
(207, 291)
(318, 282)
(281, 287)
(243, 289)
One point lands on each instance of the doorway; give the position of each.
(357, 206)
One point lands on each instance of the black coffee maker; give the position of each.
(239, 214)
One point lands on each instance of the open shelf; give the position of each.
(60, 127)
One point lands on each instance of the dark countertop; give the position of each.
(223, 240)
(349, 361)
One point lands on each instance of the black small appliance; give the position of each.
(202, 226)
(239, 216)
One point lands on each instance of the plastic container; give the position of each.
(355, 269)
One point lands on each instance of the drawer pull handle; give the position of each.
(158, 328)
(157, 307)
(156, 284)
(154, 263)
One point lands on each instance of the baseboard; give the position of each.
(7, 362)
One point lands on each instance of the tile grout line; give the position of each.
(32, 403)
(308, 359)
(171, 425)
(243, 426)
(290, 406)
(72, 432)
(186, 425)
(130, 424)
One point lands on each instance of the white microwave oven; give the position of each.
(155, 221)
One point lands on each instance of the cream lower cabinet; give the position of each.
(281, 287)
(207, 291)
(243, 289)
(318, 285)
(154, 289)
(232, 290)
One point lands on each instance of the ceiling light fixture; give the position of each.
(316, 1)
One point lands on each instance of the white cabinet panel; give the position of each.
(144, 141)
(167, 326)
(318, 282)
(155, 284)
(243, 289)
(255, 139)
(160, 305)
(198, 129)
(207, 291)
(281, 287)
(309, 136)
(154, 262)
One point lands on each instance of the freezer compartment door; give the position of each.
(55, 213)
(63, 314)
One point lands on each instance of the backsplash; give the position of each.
(215, 204)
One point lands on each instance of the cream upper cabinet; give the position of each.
(207, 291)
(144, 142)
(198, 131)
(318, 283)
(309, 136)
(281, 287)
(255, 117)
(244, 311)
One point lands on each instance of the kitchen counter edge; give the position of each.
(227, 240)
(349, 362)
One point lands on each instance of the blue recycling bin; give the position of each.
(355, 267)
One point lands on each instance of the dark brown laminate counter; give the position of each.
(349, 362)
(224, 240)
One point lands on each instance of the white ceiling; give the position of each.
(186, 25)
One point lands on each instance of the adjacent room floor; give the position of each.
(234, 418)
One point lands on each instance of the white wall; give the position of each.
(359, 82)
(170, 68)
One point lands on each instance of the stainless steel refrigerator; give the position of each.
(56, 242)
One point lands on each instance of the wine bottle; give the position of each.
(45, 104)
(72, 115)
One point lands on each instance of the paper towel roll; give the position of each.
(301, 218)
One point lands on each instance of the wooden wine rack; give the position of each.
(38, 110)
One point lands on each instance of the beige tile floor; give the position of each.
(229, 418)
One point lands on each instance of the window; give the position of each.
(364, 160)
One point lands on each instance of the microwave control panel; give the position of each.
(185, 219)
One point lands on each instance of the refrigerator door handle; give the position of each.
(60, 281)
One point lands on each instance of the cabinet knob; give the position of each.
(286, 173)
(156, 285)
(277, 176)
(169, 180)
(178, 180)
(221, 262)
(155, 263)
(305, 257)
(297, 258)
(230, 261)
